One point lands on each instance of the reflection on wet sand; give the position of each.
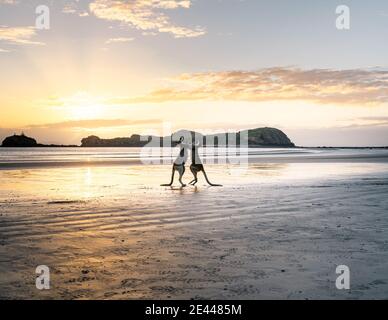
(113, 232)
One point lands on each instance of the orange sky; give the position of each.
(117, 68)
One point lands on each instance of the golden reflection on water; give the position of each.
(99, 182)
(88, 176)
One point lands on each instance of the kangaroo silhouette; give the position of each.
(197, 166)
(179, 163)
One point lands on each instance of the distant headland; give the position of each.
(22, 141)
(259, 137)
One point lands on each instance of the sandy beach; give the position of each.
(278, 230)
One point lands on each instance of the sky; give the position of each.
(113, 68)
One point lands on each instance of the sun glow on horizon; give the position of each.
(82, 106)
(115, 68)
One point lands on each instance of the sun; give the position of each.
(84, 106)
(86, 111)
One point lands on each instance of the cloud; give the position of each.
(9, 1)
(92, 124)
(18, 35)
(73, 8)
(69, 8)
(375, 118)
(115, 40)
(369, 122)
(145, 15)
(326, 86)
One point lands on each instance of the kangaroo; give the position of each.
(197, 166)
(179, 164)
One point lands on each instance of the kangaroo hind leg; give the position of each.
(195, 180)
(181, 172)
(172, 179)
(207, 180)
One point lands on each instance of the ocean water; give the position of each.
(41, 157)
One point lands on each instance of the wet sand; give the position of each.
(277, 230)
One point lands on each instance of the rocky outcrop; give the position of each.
(22, 141)
(268, 137)
(19, 141)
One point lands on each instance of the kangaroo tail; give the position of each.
(207, 180)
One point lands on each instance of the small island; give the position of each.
(260, 137)
(22, 141)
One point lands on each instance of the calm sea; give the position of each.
(40, 157)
